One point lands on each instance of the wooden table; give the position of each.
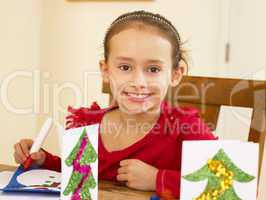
(108, 190)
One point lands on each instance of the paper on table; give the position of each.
(27, 196)
(34, 180)
(5, 177)
(40, 178)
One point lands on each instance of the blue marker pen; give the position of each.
(154, 197)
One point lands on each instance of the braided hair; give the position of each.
(147, 18)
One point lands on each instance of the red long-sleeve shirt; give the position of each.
(161, 147)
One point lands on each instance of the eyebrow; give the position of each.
(131, 60)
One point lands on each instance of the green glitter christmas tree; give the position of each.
(81, 180)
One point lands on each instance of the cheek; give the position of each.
(117, 86)
(162, 82)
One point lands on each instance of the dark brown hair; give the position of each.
(144, 18)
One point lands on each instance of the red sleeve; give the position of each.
(52, 162)
(168, 184)
(191, 127)
(83, 116)
(77, 118)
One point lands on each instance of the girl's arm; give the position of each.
(168, 181)
(51, 162)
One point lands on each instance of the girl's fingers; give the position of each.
(18, 158)
(20, 152)
(122, 177)
(122, 170)
(25, 145)
(125, 162)
(37, 156)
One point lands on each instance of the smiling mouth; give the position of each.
(137, 95)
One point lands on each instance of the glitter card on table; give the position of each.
(219, 170)
(80, 163)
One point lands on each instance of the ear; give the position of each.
(104, 71)
(178, 73)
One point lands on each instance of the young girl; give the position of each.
(141, 134)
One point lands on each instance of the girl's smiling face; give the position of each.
(139, 69)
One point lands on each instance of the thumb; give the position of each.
(37, 155)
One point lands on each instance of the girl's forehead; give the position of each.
(136, 37)
(140, 43)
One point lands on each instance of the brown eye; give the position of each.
(154, 69)
(124, 67)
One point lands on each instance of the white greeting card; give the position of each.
(80, 163)
(33, 180)
(219, 170)
(234, 119)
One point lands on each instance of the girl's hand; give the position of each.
(137, 174)
(22, 149)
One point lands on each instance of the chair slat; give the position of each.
(221, 91)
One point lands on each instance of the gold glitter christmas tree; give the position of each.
(221, 173)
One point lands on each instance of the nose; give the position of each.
(140, 79)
